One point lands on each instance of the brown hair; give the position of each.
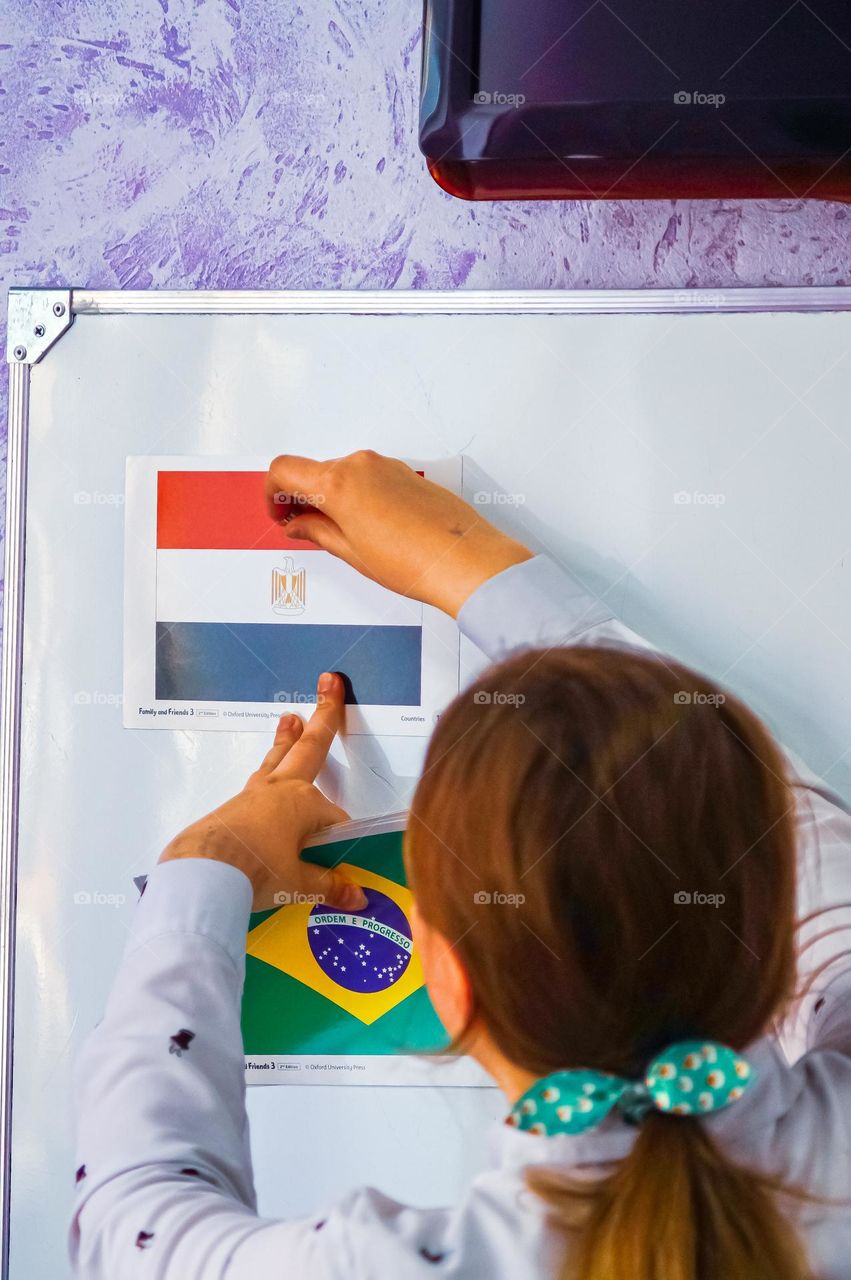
(598, 783)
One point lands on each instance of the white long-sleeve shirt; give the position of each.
(164, 1183)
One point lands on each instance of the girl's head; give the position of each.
(602, 853)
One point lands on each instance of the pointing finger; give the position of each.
(306, 758)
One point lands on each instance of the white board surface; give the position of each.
(694, 468)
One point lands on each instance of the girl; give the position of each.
(655, 847)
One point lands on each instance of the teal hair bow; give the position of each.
(691, 1077)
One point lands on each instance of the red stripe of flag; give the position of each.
(218, 510)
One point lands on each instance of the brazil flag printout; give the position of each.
(335, 997)
(228, 623)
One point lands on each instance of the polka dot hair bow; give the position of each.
(692, 1077)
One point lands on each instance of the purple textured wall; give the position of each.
(247, 144)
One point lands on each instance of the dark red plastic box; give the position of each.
(620, 99)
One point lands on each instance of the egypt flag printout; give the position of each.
(228, 623)
(334, 997)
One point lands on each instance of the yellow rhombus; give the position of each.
(281, 940)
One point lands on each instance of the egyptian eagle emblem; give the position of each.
(289, 588)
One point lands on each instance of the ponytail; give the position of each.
(674, 1209)
(603, 796)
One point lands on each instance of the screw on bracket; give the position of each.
(37, 320)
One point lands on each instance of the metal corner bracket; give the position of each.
(37, 319)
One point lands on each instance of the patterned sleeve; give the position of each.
(164, 1178)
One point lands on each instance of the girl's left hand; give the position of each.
(262, 830)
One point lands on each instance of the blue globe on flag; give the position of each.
(366, 950)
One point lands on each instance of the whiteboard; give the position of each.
(688, 455)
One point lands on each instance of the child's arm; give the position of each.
(164, 1179)
(162, 1133)
(536, 604)
(164, 1184)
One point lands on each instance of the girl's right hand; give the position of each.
(394, 526)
